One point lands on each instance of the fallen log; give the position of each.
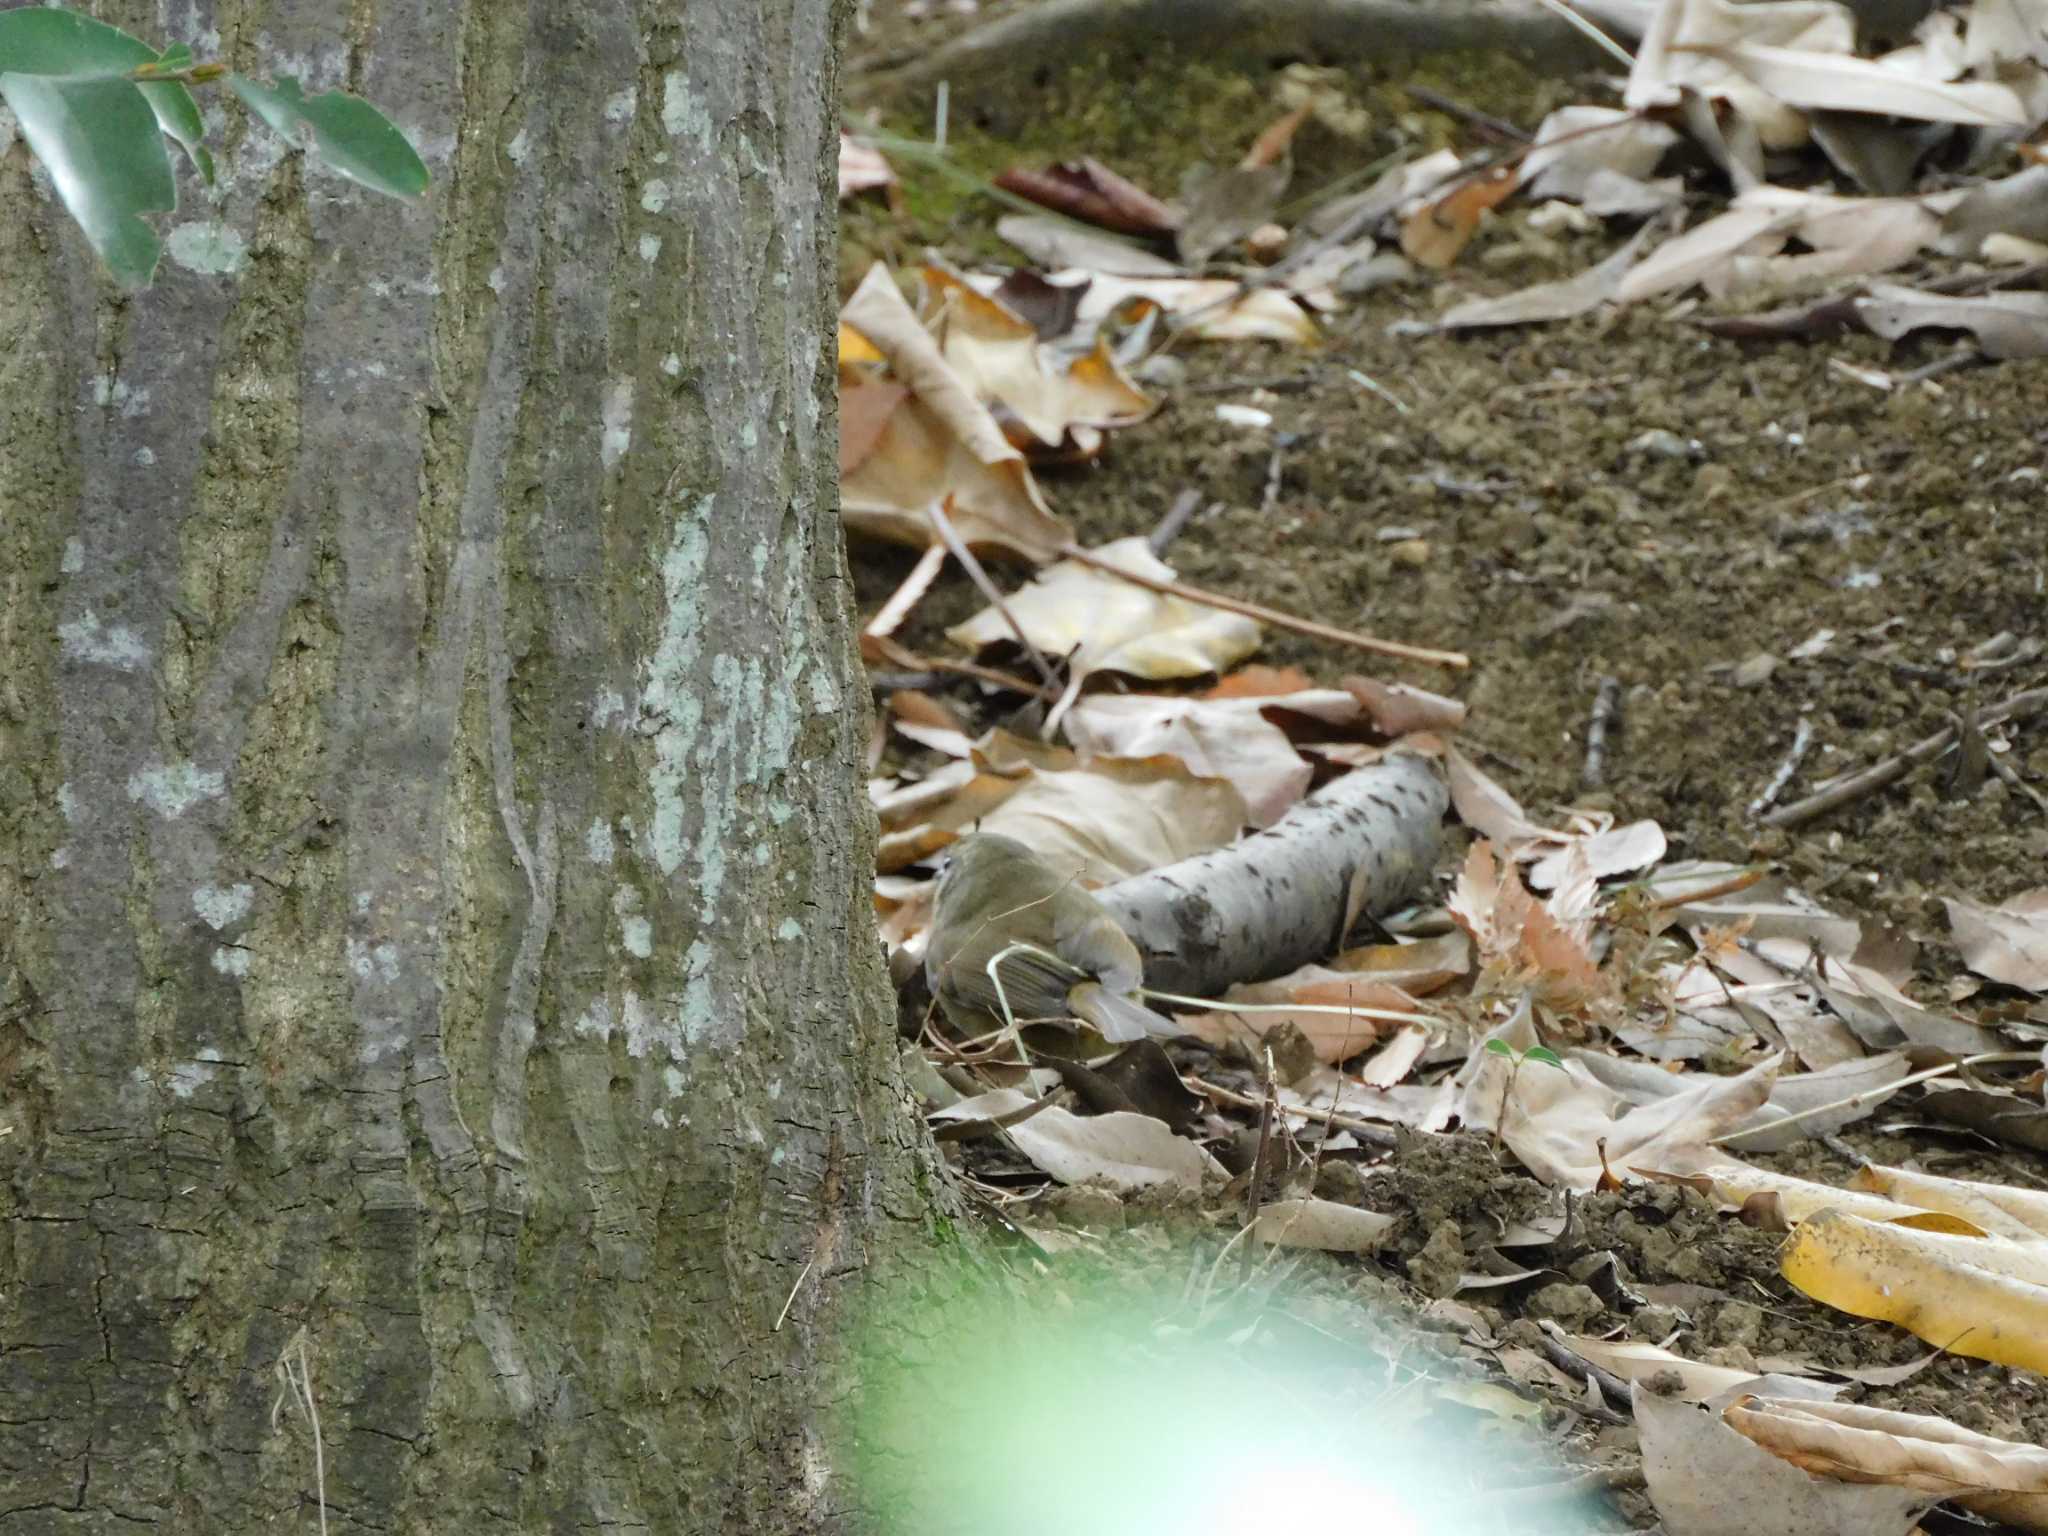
(1282, 898)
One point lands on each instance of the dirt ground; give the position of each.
(1619, 496)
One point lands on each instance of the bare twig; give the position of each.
(1620, 54)
(1184, 507)
(1802, 738)
(1606, 712)
(957, 548)
(1372, 1135)
(1265, 615)
(1373, 386)
(1255, 1191)
(1856, 785)
(1497, 127)
(1572, 1363)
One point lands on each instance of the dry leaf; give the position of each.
(1487, 808)
(1434, 234)
(939, 446)
(1633, 1360)
(1556, 1119)
(1058, 245)
(1606, 854)
(1574, 143)
(1998, 1209)
(1679, 54)
(1207, 309)
(997, 353)
(1088, 190)
(1335, 1037)
(1735, 1183)
(2003, 943)
(1123, 1150)
(1542, 302)
(2002, 1480)
(1978, 1296)
(862, 168)
(1398, 708)
(1840, 82)
(1707, 1480)
(1417, 968)
(1116, 817)
(864, 411)
(1103, 624)
(1231, 739)
(1324, 1224)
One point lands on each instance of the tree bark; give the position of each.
(435, 949)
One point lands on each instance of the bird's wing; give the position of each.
(1095, 945)
(1035, 984)
(1118, 1019)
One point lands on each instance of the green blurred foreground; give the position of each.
(1100, 1402)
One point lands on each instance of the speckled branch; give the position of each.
(1279, 898)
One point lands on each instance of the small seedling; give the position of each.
(1516, 1061)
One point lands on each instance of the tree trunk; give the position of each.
(438, 990)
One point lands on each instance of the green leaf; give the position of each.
(40, 40)
(98, 139)
(1544, 1054)
(1499, 1048)
(347, 132)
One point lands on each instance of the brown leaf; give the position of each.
(1090, 191)
(1274, 142)
(864, 411)
(1435, 233)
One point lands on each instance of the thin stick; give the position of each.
(1802, 738)
(1498, 127)
(890, 616)
(958, 549)
(1741, 880)
(1842, 791)
(1261, 1160)
(1266, 615)
(1620, 54)
(1365, 1130)
(1606, 710)
(802, 1276)
(1565, 1358)
(1388, 1014)
(1883, 1090)
(1184, 507)
(1373, 386)
(873, 646)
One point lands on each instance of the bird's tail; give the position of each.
(1118, 1019)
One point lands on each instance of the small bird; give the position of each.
(995, 892)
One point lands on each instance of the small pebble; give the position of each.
(1756, 671)
(1413, 553)
(1660, 444)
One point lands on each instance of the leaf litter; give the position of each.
(1630, 946)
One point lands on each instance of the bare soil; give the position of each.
(1775, 498)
